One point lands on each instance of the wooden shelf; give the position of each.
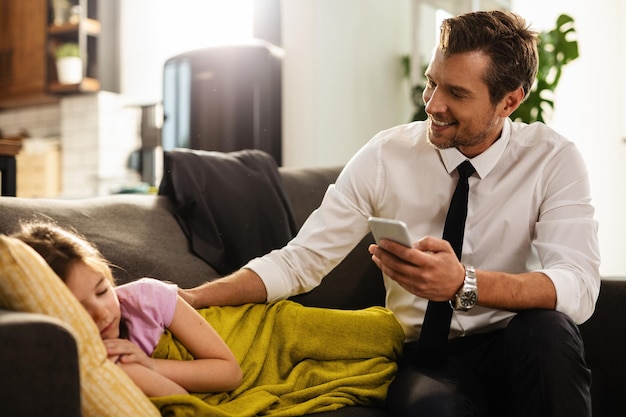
(10, 146)
(28, 74)
(29, 99)
(91, 27)
(87, 85)
(83, 29)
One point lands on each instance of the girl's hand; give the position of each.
(140, 368)
(124, 351)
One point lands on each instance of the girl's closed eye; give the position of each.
(102, 292)
(102, 287)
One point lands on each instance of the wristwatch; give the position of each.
(467, 297)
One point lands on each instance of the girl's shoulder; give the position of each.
(147, 306)
(148, 293)
(146, 284)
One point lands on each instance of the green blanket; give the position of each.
(296, 360)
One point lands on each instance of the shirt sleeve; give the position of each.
(147, 307)
(566, 234)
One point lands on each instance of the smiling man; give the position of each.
(525, 268)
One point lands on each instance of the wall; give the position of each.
(590, 107)
(343, 79)
(154, 30)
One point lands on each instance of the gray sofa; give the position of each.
(139, 234)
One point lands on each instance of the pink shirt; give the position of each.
(147, 307)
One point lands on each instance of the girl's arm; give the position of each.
(150, 382)
(140, 368)
(215, 368)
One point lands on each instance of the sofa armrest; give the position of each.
(39, 373)
(604, 335)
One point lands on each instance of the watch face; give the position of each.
(468, 299)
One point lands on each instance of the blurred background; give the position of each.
(308, 80)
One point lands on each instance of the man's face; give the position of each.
(460, 112)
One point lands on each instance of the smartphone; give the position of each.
(395, 230)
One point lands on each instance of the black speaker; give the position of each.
(224, 98)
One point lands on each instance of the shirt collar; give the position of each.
(484, 162)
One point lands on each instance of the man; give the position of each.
(530, 236)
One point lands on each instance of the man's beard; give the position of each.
(460, 140)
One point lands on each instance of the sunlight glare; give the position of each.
(201, 23)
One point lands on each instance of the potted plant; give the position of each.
(69, 63)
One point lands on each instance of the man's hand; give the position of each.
(188, 296)
(241, 287)
(429, 270)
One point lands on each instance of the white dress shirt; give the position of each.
(529, 209)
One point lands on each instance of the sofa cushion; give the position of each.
(28, 284)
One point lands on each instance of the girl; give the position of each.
(132, 317)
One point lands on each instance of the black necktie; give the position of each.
(431, 347)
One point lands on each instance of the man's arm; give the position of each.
(241, 287)
(515, 291)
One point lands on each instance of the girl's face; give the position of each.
(96, 294)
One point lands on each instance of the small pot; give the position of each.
(70, 70)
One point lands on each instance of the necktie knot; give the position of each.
(465, 169)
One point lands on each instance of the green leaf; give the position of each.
(557, 48)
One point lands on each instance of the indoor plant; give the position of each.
(69, 63)
(557, 47)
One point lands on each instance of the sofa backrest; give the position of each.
(141, 237)
(137, 233)
(354, 283)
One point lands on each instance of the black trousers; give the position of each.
(534, 367)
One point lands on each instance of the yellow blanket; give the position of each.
(296, 360)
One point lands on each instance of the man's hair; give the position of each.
(505, 38)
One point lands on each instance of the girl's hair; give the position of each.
(505, 38)
(61, 248)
